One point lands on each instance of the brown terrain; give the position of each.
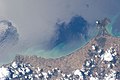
(76, 59)
(73, 61)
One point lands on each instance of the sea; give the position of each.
(63, 49)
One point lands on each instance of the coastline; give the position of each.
(75, 58)
(69, 63)
(72, 62)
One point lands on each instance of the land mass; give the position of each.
(94, 53)
(76, 59)
(72, 61)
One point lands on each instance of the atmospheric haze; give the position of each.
(36, 20)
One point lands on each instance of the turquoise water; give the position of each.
(70, 37)
(65, 49)
(60, 50)
(110, 26)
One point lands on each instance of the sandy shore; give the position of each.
(72, 61)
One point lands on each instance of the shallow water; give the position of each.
(65, 49)
(69, 37)
(114, 27)
(62, 50)
(26, 17)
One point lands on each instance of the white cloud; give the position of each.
(4, 73)
(108, 56)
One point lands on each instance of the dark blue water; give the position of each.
(68, 37)
(74, 31)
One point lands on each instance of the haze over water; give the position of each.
(39, 23)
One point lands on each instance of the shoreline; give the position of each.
(69, 63)
(77, 58)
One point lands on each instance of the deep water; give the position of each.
(68, 38)
(71, 36)
(68, 33)
(74, 35)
